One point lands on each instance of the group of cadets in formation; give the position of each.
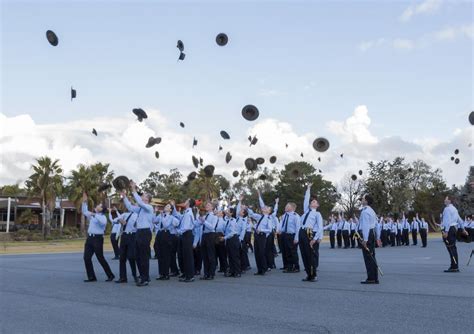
(223, 236)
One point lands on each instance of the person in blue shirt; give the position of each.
(232, 244)
(221, 252)
(367, 221)
(164, 222)
(95, 240)
(270, 241)
(144, 225)
(288, 228)
(244, 237)
(114, 236)
(208, 241)
(450, 221)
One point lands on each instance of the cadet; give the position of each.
(367, 221)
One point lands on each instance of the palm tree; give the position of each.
(88, 179)
(46, 182)
(205, 188)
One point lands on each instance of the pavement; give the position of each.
(44, 293)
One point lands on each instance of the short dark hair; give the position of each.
(192, 203)
(451, 198)
(369, 199)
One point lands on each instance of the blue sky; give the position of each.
(301, 62)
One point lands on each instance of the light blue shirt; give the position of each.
(450, 218)
(187, 220)
(415, 225)
(367, 221)
(230, 229)
(241, 227)
(130, 218)
(165, 221)
(209, 224)
(97, 221)
(144, 212)
(263, 222)
(290, 223)
(197, 233)
(220, 225)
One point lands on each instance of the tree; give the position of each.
(249, 182)
(204, 188)
(350, 191)
(165, 186)
(12, 190)
(88, 179)
(46, 182)
(466, 198)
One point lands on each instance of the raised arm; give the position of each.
(253, 215)
(147, 207)
(275, 207)
(307, 195)
(260, 200)
(128, 205)
(85, 210)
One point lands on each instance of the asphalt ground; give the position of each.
(45, 293)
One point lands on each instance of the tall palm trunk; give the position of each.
(83, 225)
(43, 217)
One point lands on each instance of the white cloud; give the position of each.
(454, 32)
(426, 7)
(121, 142)
(403, 44)
(367, 45)
(268, 92)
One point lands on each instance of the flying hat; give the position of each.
(301, 155)
(222, 39)
(295, 172)
(153, 141)
(273, 159)
(260, 161)
(52, 38)
(94, 132)
(250, 112)
(250, 164)
(201, 161)
(104, 187)
(319, 159)
(73, 93)
(342, 155)
(180, 45)
(225, 135)
(254, 140)
(195, 142)
(228, 157)
(195, 162)
(157, 155)
(121, 182)
(181, 124)
(140, 113)
(354, 177)
(360, 172)
(471, 118)
(452, 158)
(192, 176)
(456, 161)
(321, 144)
(220, 148)
(182, 55)
(401, 176)
(456, 151)
(286, 145)
(235, 173)
(209, 170)
(262, 177)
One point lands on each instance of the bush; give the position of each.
(21, 235)
(35, 236)
(70, 232)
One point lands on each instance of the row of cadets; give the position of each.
(332, 227)
(423, 229)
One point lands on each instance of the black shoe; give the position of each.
(288, 271)
(135, 278)
(142, 283)
(237, 275)
(121, 281)
(203, 278)
(90, 280)
(452, 270)
(248, 268)
(221, 271)
(310, 279)
(110, 278)
(259, 274)
(174, 274)
(116, 258)
(369, 282)
(181, 276)
(189, 280)
(282, 268)
(159, 278)
(228, 275)
(164, 278)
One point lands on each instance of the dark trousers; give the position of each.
(259, 243)
(353, 240)
(269, 250)
(384, 238)
(450, 243)
(370, 264)
(284, 255)
(308, 254)
(208, 253)
(180, 254)
(399, 238)
(221, 253)
(280, 244)
(424, 236)
(248, 237)
(156, 247)
(358, 242)
(414, 235)
(197, 259)
(232, 246)
(163, 238)
(392, 239)
(244, 257)
(95, 245)
(405, 237)
(128, 251)
(115, 245)
(187, 254)
(339, 238)
(332, 238)
(173, 252)
(470, 231)
(143, 237)
(345, 236)
(291, 251)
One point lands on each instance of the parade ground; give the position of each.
(45, 293)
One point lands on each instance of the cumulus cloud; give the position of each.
(121, 142)
(426, 7)
(454, 32)
(403, 43)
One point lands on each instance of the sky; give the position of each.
(378, 79)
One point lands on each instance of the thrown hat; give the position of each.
(321, 144)
(319, 159)
(181, 124)
(260, 161)
(157, 155)
(250, 164)
(222, 39)
(121, 182)
(228, 157)
(250, 112)
(452, 158)
(201, 161)
(471, 118)
(295, 172)
(456, 151)
(235, 173)
(456, 161)
(153, 141)
(209, 170)
(195, 142)
(354, 177)
(104, 187)
(342, 155)
(360, 172)
(94, 132)
(225, 135)
(180, 45)
(52, 38)
(182, 55)
(254, 141)
(195, 162)
(286, 145)
(401, 176)
(192, 176)
(220, 148)
(273, 159)
(262, 177)
(140, 113)
(73, 93)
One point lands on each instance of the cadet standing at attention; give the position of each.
(367, 221)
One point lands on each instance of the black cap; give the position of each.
(452, 158)
(182, 55)
(410, 170)
(181, 124)
(192, 176)
(222, 39)
(456, 151)
(52, 38)
(180, 45)
(94, 132)
(201, 161)
(140, 113)
(319, 159)
(153, 141)
(342, 155)
(195, 162)
(254, 140)
(401, 176)
(273, 159)
(321, 144)
(250, 164)
(250, 112)
(225, 135)
(295, 172)
(262, 177)
(121, 182)
(195, 142)
(104, 187)
(286, 145)
(73, 93)
(456, 161)
(354, 177)
(471, 118)
(320, 171)
(235, 173)
(157, 155)
(220, 148)
(209, 170)
(360, 172)
(260, 161)
(228, 157)
(301, 155)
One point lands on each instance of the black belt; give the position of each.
(288, 233)
(128, 233)
(95, 235)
